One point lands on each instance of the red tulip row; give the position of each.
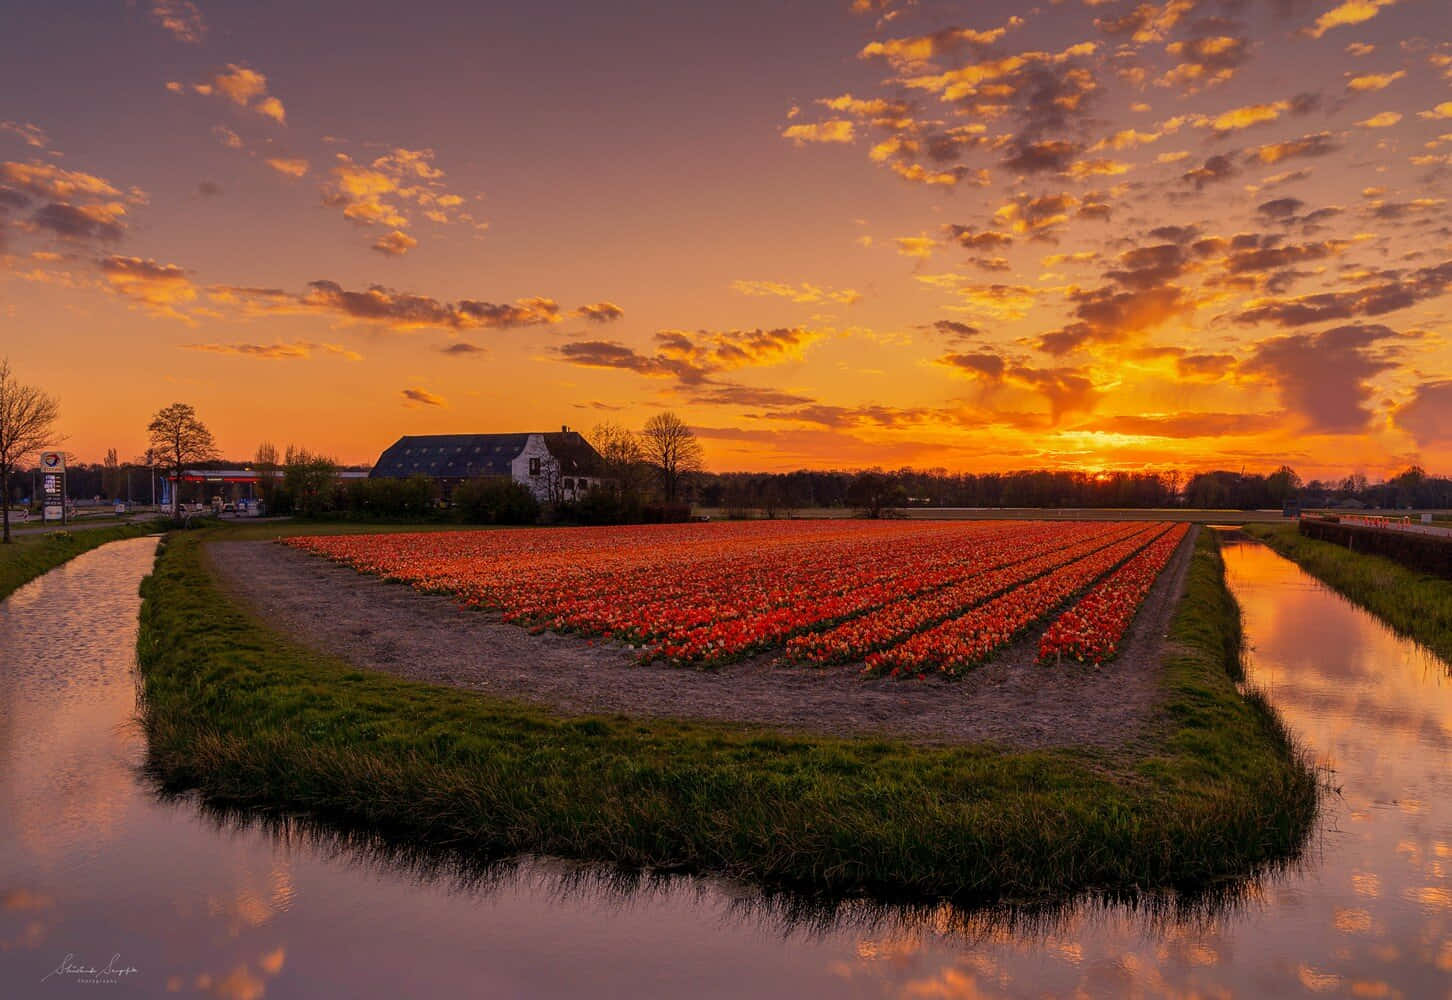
(1090, 631)
(705, 593)
(961, 643)
(857, 637)
(733, 636)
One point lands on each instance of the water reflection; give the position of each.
(206, 903)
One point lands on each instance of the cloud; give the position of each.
(1369, 82)
(181, 18)
(460, 349)
(1280, 208)
(1215, 169)
(916, 51)
(1322, 377)
(1443, 110)
(920, 247)
(1039, 157)
(1036, 216)
(1204, 61)
(999, 299)
(416, 396)
(1372, 300)
(1065, 390)
(158, 287)
(803, 292)
(1347, 13)
(300, 350)
(600, 312)
(1188, 424)
(1385, 119)
(396, 310)
(694, 357)
(403, 310)
(1427, 416)
(46, 180)
(1207, 367)
(394, 244)
(31, 135)
(291, 166)
(1319, 144)
(955, 329)
(244, 87)
(81, 222)
(227, 137)
(972, 239)
(376, 193)
(1110, 315)
(835, 130)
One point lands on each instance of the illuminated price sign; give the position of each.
(53, 485)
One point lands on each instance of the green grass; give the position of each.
(1412, 603)
(34, 553)
(1215, 792)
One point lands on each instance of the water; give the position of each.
(94, 865)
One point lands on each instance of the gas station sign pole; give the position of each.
(53, 487)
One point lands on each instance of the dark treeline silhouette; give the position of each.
(777, 494)
(745, 493)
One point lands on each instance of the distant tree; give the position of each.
(179, 439)
(875, 493)
(671, 447)
(625, 461)
(1408, 486)
(310, 480)
(27, 423)
(264, 463)
(111, 475)
(1283, 484)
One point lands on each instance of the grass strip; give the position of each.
(32, 554)
(251, 719)
(1415, 604)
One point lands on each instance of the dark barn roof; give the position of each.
(460, 456)
(574, 453)
(450, 456)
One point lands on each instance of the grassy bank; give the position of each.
(32, 554)
(1412, 603)
(252, 719)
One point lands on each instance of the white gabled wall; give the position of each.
(534, 448)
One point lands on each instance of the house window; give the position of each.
(582, 485)
(534, 466)
(569, 484)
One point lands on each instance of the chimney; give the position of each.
(564, 429)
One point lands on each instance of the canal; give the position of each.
(106, 889)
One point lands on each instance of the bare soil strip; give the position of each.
(1012, 701)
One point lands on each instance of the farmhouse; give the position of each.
(554, 466)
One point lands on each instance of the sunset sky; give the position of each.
(977, 235)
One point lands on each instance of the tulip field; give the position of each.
(898, 598)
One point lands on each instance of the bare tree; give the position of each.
(180, 439)
(27, 421)
(624, 458)
(265, 464)
(671, 446)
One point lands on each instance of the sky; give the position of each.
(975, 236)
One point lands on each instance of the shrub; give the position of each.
(495, 501)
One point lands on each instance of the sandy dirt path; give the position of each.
(1012, 701)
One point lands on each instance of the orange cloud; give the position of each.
(416, 396)
(291, 166)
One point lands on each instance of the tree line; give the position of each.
(654, 474)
